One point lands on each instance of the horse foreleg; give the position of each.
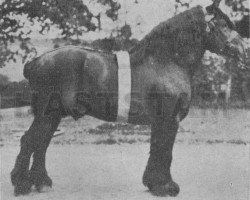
(38, 172)
(157, 176)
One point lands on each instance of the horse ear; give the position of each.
(210, 9)
(216, 3)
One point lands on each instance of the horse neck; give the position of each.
(179, 39)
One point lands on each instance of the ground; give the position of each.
(97, 160)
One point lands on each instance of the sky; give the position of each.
(147, 13)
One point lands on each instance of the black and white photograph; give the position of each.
(124, 100)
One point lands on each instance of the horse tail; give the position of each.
(33, 104)
(28, 68)
(27, 74)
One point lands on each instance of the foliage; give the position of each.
(122, 41)
(238, 6)
(209, 74)
(16, 94)
(239, 10)
(215, 71)
(4, 81)
(71, 17)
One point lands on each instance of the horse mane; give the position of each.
(168, 35)
(226, 18)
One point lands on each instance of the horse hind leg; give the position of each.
(20, 174)
(38, 173)
(35, 140)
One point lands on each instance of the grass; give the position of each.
(236, 104)
(214, 141)
(113, 140)
(106, 141)
(103, 129)
(19, 113)
(210, 126)
(122, 128)
(237, 142)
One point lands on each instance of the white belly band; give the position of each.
(124, 85)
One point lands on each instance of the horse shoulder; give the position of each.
(167, 76)
(174, 83)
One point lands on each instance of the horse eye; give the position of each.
(224, 25)
(211, 25)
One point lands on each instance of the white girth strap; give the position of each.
(124, 85)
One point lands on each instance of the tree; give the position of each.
(122, 41)
(240, 10)
(237, 6)
(71, 17)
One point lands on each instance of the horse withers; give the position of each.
(76, 81)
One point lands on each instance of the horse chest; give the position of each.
(153, 84)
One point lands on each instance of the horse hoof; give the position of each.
(170, 189)
(41, 181)
(16, 176)
(44, 188)
(22, 188)
(21, 182)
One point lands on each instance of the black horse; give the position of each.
(76, 81)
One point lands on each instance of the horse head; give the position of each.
(222, 37)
